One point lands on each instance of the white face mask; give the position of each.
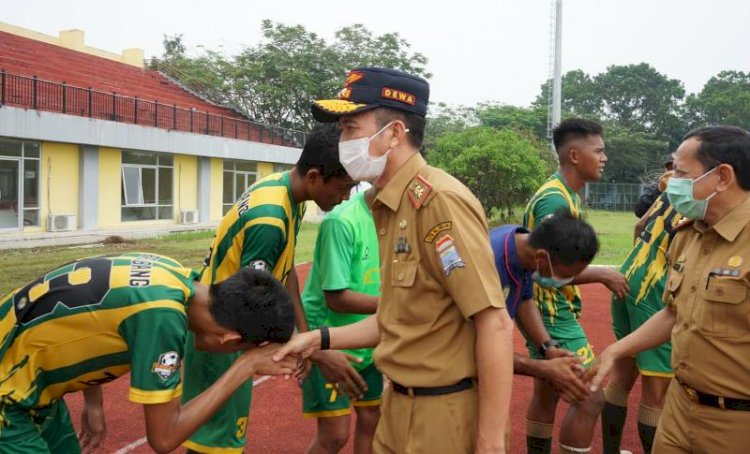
(355, 157)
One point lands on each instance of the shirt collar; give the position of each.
(392, 194)
(512, 258)
(730, 226)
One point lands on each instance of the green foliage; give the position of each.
(501, 116)
(725, 99)
(634, 156)
(274, 81)
(502, 168)
(578, 95)
(641, 99)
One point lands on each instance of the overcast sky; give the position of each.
(478, 50)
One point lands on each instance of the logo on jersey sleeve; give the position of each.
(168, 364)
(259, 265)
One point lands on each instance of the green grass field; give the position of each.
(19, 266)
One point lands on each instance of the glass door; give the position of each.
(10, 194)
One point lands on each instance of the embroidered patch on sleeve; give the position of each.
(449, 257)
(167, 365)
(442, 227)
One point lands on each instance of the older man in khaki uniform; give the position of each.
(445, 338)
(708, 300)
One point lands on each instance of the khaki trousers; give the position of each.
(427, 424)
(689, 427)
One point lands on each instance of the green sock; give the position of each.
(613, 420)
(536, 445)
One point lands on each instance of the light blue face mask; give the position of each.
(680, 194)
(550, 281)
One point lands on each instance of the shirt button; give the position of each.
(400, 276)
(706, 251)
(683, 365)
(686, 325)
(692, 289)
(382, 232)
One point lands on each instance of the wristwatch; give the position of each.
(546, 345)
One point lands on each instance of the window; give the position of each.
(147, 180)
(19, 183)
(238, 176)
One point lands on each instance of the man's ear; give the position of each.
(313, 175)
(231, 337)
(399, 133)
(572, 155)
(726, 175)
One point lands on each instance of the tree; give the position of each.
(579, 96)
(274, 81)
(725, 99)
(501, 116)
(502, 168)
(207, 75)
(634, 156)
(442, 118)
(639, 98)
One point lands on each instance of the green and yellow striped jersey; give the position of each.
(563, 304)
(646, 266)
(260, 230)
(91, 321)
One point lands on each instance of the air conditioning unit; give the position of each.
(189, 217)
(61, 222)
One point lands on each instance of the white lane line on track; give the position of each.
(143, 440)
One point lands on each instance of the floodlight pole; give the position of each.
(557, 79)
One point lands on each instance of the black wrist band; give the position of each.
(325, 338)
(546, 345)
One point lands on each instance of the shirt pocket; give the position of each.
(674, 281)
(727, 312)
(411, 307)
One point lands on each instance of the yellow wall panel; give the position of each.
(185, 183)
(110, 187)
(59, 179)
(264, 169)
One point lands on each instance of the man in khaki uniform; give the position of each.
(708, 300)
(445, 338)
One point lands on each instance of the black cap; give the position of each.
(368, 88)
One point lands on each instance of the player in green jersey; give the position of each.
(92, 320)
(260, 232)
(646, 270)
(580, 149)
(342, 288)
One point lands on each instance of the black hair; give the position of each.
(321, 151)
(255, 304)
(413, 122)
(566, 238)
(724, 145)
(574, 128)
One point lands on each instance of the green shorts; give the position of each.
(39, 430)
(225, 431)
(321, 399)
(570, 334)
(626, 318)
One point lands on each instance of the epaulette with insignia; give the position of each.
(419, 189)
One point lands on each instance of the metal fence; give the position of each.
(31, 92)
(612, 196)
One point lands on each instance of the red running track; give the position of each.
(276, 422)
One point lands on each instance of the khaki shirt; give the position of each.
(437, 270)
(708, 290)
